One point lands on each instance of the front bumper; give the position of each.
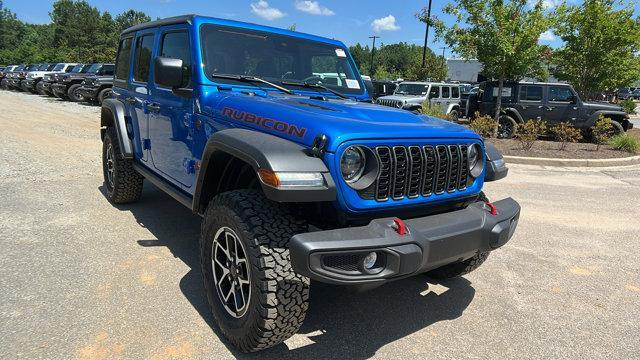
(335, 256)
(27, 85)
(89, 92)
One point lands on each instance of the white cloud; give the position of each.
(313, 8)
(548, 36)
(546, 4)
(387, 23)
(262, 9)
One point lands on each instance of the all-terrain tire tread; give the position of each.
(127, 181)
(283, 294)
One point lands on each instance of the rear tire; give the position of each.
(275, 299)
(122, 182)
(507, 127)
(617, 128)
(73, 93)
(454, 116)
(463, 267)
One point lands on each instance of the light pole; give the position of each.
(373, 50)
(426, 34)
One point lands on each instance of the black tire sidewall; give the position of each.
(109, 140)
(514, 126)
(71, 93)
(102, 95)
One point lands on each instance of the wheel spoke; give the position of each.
(231, 273)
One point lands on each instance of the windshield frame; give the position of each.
(426, 86)
(355, 93)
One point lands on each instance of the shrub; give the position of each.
(529, 132)
(629, 106)
(625, 142)
(566, 133)
(602, 131)
(484, 125)
(434, 111)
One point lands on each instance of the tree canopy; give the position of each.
(601, 43)
(502, 34)
(401, 60)
(78, 32)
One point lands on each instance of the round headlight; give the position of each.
(476, 161)
(352, 164)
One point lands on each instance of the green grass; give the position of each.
(625, 142)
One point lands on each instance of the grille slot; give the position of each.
(412, 171)
(343, 262)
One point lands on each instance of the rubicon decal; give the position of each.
(264, 122)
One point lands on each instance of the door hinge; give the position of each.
(146, 144)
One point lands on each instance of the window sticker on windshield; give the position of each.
(353, 84)
(341, 53)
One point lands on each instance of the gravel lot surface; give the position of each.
(80, 278)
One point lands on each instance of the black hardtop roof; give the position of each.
(182, 19)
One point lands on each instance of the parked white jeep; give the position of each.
(411, 95)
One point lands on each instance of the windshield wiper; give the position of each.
(247, 78)
(319, 86)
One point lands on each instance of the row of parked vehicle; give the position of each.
(70, 81)
(521, 101)
(628, 93)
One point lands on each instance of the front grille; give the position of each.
(391, 103)
(412, 171)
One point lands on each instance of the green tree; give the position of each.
(502, 34)
(130, 18)
(399, 60)
(601, 40)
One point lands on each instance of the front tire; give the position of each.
(122, 182)
(507, 127)
(74, 93)
(269, 299)
(103, 94)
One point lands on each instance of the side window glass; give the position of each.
(455, 92)
(560, 94)
(175, 45)
(446, 92)
(123, 59)
(107, 69)
(531, 93)
(144, 47)
(68, 69)
(435, 92)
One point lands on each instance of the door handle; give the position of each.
(549, 108)
(540, 107)
(131, 100)
(153, 107)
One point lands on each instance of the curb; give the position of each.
(632, 160)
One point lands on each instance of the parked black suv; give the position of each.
(552, 102)
(68, 85)
(98, 87)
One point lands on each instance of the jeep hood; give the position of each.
(602, 106)
(301, 119)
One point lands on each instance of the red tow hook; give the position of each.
(492, 208)
(399, 226)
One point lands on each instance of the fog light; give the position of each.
(369, 261)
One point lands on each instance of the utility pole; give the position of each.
(444, 61)
(373, 50)
(426, 34)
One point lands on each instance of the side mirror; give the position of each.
(168, 72)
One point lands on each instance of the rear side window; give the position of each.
(144, 47)
(435, 92)
(560, 94)
(175, 45)
(123, 60)
(455, 92)
(531, 93)
(446, 92)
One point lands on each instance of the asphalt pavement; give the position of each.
(80, 278)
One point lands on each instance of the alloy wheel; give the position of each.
(231, 274)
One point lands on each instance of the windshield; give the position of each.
(412, 89)
(19, 68)
(277, 58)
(32, 67)
(77, 68)
(58, 67)
(93, 69)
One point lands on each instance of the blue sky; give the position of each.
(347, 20)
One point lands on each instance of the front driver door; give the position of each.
(170, 116)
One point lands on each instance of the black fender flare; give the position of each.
(513, 113)
(496, 166)
(608, 113)
(265, 151)
(114, 114)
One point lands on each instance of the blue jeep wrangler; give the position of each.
(271, 137)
